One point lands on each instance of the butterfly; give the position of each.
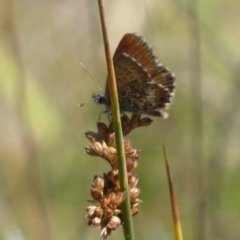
(144, 85)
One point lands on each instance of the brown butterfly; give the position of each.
(144, 85)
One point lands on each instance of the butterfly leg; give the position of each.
(104, 112)
(109, 117)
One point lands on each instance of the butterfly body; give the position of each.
(144, 85)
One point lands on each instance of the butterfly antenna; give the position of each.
(82, 104)
(90, 77)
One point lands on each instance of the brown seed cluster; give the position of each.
(106, 208)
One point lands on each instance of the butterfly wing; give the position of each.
(137, 92)
(135, 65)
(137, 48)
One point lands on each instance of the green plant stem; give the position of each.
(126, 208)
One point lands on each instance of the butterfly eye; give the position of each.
(100, 99)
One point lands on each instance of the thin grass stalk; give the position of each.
(197, 130)
(175, 213)
(128, 225)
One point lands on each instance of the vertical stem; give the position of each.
(175, 212)
(126, 211)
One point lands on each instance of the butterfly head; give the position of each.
(99, 99)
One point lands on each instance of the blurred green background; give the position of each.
(45, 176)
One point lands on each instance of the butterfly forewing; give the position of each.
(137, 48)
